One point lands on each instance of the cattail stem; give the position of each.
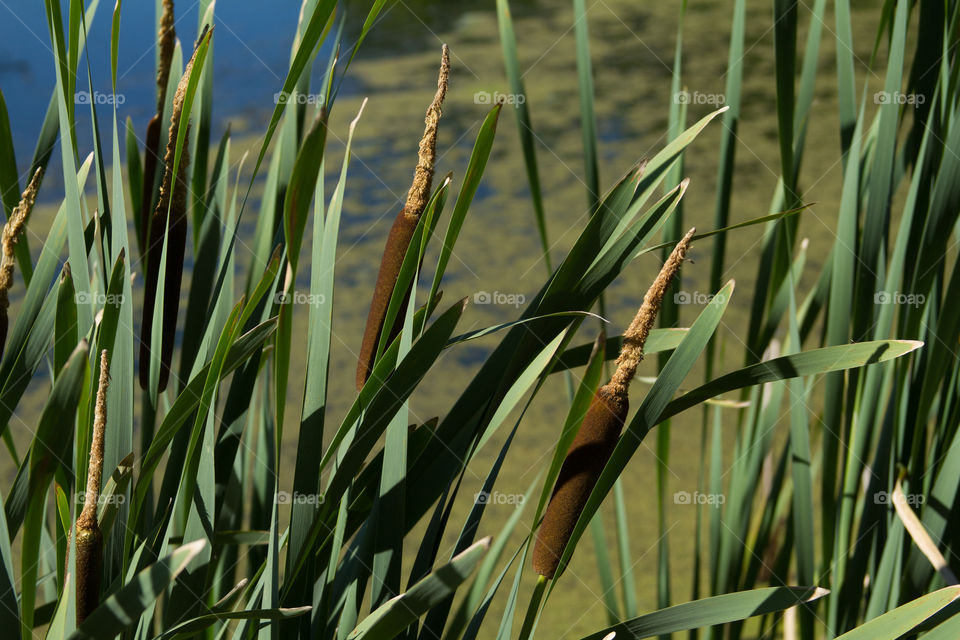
(169, 221)
(402, 231)
(89, 539)
(12, 231)
(601, 427)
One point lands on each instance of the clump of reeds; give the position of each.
(169, 220)
(402, 231)
(601, 427)
(12, 231)
(166, 44)
(89, 539)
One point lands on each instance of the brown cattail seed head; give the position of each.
(402, 231)
(89, 539)
(12, 231)
(581, 468)
(598, 435)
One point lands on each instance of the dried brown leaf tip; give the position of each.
(601, 427)
(12, 231)
(89, 539)
(402, 230)
(169, 221)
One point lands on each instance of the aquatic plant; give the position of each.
(198, 521)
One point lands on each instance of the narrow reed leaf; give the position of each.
(189, 628)
(65, 336)
(901, 620)
(508, 41)
(588, 119)
(806, 363)
(713, 611)
(403, 610)
(9, 609)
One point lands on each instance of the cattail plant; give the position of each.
(11, 233)
(402, 231)
(600, 430)
(88, 536)
(166, 43)
(169, 220)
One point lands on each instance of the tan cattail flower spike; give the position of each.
(88, 536)
(601, 427)
(11, 233)
(631, 353)
(419, 192)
